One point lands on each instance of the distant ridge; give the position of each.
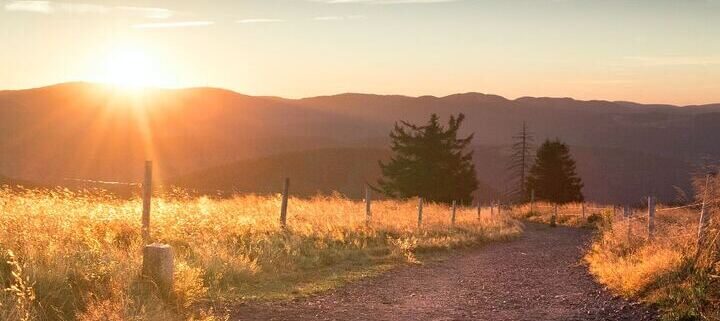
(92, 131)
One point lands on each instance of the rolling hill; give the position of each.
(89, 131)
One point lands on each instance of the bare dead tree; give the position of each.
(521, 159)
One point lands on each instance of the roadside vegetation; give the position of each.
(672, 270)
(77, 255)
(569, 214)
(669, 271)
(662, 271)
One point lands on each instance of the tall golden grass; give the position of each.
(663, 270)
(77, 255)
(625, 259)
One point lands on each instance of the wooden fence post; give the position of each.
(583, 209)
(553, 217)
(651, 217)
(147, 201)
(452, 218)
(368, 212)
(626, 214)
(532, 200)
(704, 215)
(284, 203)
(479, 210)
(420, 209)
(492, 208)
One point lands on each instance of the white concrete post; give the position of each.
(158, 266)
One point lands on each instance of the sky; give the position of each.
(650, 51)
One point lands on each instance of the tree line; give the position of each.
(433, 162)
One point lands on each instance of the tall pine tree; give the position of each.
(553, 176)
(429, 161)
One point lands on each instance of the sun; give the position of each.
(133, 68)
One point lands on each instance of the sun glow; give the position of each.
(133, 68)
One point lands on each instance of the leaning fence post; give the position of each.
(284, 203)
(147, 195)
(452, 218)
(553, 217)
(420, 209)
(651, 217)
(704, 215)
(368, 213)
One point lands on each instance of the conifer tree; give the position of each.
(429, 161)
(553, 176)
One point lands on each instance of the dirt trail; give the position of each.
(536, 277)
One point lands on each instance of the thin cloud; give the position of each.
(51, 7)
(29, 6)
(148, 12)
(329, 18)
(674, 60)
(259, 20)
(337, 18)
(386, 1)
(179, 24)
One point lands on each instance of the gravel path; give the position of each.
(536, 277)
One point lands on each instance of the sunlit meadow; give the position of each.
(77, 255)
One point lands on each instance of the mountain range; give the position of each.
(215, 140)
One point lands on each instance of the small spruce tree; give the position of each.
(429, 161)
(553, 176)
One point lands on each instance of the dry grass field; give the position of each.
(77, 255)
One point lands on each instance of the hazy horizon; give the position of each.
(150, 88)
(641, 51)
